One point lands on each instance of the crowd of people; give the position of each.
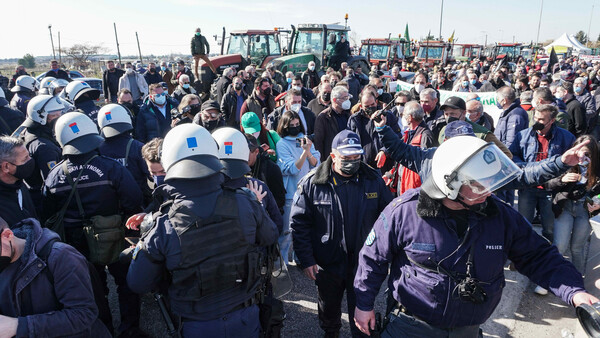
(330, 170)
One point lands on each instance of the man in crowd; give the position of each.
(182, 69)
(56, 72)
(307, 94)
(575, 110)
(135, 83)
(323, 99)
(125, 99)
(166, 75)
(224, 82)
(183, 88)
(349, 196)
(354, 86)
(310, 78)
(476, 114)
(200, 49)
(210, 116)
(261, 101)
(332, 120)
(277, 76)
(233, 100)
(293, 102)
(154, 118)
(588, 101)
(152, 76)
(434, 116)
(110, 82)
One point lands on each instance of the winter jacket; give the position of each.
(511, 122)
(151, 123)
(166, 76)
(152, 78)
(365, 128)
(186, 71)
(265, 170)
(10, 120)
(589, 103)
(253, 104)
(180, 92)
(577, 117)
(326, 127)
(199, 45)
(310, 79)
(570, 191)
(526, 145)
(229, 107)
(110, 83)
(222, 85)
(416, 234)
(51, 298)
(275, 116)
(141, 82)
(16, 203)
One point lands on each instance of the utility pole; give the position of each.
(537, 39)
(590, 26)
(139, 50)
(118, 50)
(441, 15)
(59, 52)
(52, 41)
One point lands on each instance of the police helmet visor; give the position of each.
(115, 129)
(235, 168)
(194, 167)
(485, 171)
(83, 144)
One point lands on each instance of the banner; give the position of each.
(487, 99)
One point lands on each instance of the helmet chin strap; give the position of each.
(476, 208)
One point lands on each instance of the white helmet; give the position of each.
(470, 161)
(39, 107)
(75, 89)
(25, 82)
(3, 100)
(233, 151)
(58, 83)
(188, 151)
(45, 85)
(77, 134)
(113, 120)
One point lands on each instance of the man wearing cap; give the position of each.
(115, 126)
(154, 118)
(209, 239)
(455, 110)
(42, 113)
(105, 189)
(333, 211)
(210, 116)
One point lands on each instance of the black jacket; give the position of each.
(10, 209)
(199, 45)
(577, 121)
(309, 116)
(326, 127)
(60, 74)
(267, 171)
(222, 85)
(10, 120)
(150, 122)
(110, 82)
(229, 107)
(310, 79)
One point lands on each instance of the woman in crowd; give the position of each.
(267, 139)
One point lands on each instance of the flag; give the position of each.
(451, 39)
(406, 36)
(552, 61)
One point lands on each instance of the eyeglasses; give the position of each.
(400, 104)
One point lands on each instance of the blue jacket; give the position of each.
(65, 307)
(511, 121)
(160, 247)
(365, 128)
(89, 108)
(317, 221)
(106, 188)
(525, 147)
(419, 161)
(149, 125)
(418, 228)
(116, 147)
(20, 101)
(287, 155)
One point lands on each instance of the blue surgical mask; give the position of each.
(160, 99)
(163, 68)
(186, 86)
(465, 84)
(158, 180)
(473, 82)
(578, 89)
(289, 80)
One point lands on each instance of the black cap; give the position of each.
(454, 102)
(211, 104)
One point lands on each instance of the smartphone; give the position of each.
(299, 142)
(264, 146)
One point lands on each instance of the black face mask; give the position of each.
(451, 119)
(210, 125)
(24, 170)
(370, 110)
(238, 86)
(349, 167)
(326, 97)
(538, 126)
(293, 131)
(128, 105)
(266, 92)
(5, 260)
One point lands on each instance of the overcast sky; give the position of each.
(167, 26)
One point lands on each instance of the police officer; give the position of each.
(334, 209)
(25, 89)
(115, 125)
(448, 242)
(104, 188)
(42, 113)
(209, 239)
(10, 119)
(45, 84)
(234, 153)
(82, 96)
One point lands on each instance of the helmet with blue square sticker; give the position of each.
(233, 151)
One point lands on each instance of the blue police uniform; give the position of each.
(46, 153)
(116, 147)
(227, 313)
(415, 234)
(89, 108)
(105, 188)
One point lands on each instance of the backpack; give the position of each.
(97, 286)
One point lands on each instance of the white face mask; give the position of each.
(297, 87)
(419, 87)
(346, 105)
(129, 71)
(534, 104)
(311, 68)
(295, 107)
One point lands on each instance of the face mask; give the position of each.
(160, 100)
(419, 87)
(293, 131)
(332, 83)
(311, 68)
(24, 170)
(349, 167)
(451, 119)
(197, 33)
(370, 110)
(295, 107)
(465, 84)
(538, 126)
(468, 116)
(5, 260)
(499, 105)
(210, 125)
(326, 97)
(163, 68)
(346, 105)
(266, 92)
(585, 79)
(578, 89)
(158, 180)
(427, 108)
(559, 96)
(152, 70)
(473, 82)
(379, 91)
(584, 161)
(186, 86)
(289, 80)
(129, 71)
(237, 86)
(297, 87)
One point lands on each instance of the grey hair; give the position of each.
(430, 92)
(478, 104)
(228, 72)
(338, 91)
(403, 93)
(8, 144)
(507, 93)
(183, 77)
(414, 109)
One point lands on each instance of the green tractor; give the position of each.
(315, 42)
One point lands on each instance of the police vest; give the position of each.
(215, 256)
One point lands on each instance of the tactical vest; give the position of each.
(215, 256)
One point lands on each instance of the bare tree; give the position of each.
(354, 38)
(81, 52)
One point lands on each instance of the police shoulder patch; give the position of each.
(137, 249)
(51, 164)
(370, 238)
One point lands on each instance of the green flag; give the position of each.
(406, 36)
